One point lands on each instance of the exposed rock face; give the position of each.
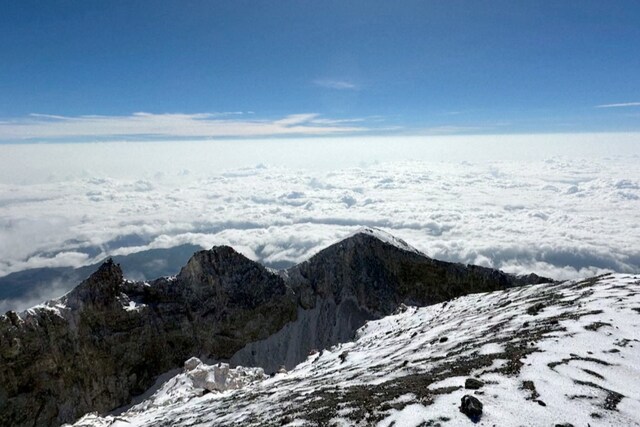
(108, 339)
(364, 277)
(325, 324)
(380, 276)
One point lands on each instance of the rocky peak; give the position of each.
(367, 242)
(100, 289)
(381, 271)
(229, 276)
(204, 265)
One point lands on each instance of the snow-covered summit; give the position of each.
(385, 237)
(552, 354)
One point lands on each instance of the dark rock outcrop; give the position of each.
(535, 309)
(381, 276)
(473, 384)
(109, 339)
(471, 407)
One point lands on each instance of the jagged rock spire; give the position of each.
(101, 288)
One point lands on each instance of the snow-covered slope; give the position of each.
(554, 354)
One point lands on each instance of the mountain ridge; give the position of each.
(22, 289)
(220, 306)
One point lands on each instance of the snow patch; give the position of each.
(385, 237)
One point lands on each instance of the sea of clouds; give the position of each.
(562, 206)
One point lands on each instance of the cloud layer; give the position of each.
(559, 217)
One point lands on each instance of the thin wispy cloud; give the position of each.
(336, 84)
(455, 129)
(296, 119)
(620, 105)
(337, 121)
(198, 125)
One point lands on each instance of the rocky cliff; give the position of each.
(109, 339)
(364, 277)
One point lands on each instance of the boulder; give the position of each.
(471, 407)
(473, 384)
(535, 309)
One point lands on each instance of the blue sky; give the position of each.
(258, 68)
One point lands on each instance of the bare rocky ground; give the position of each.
(550, 355)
